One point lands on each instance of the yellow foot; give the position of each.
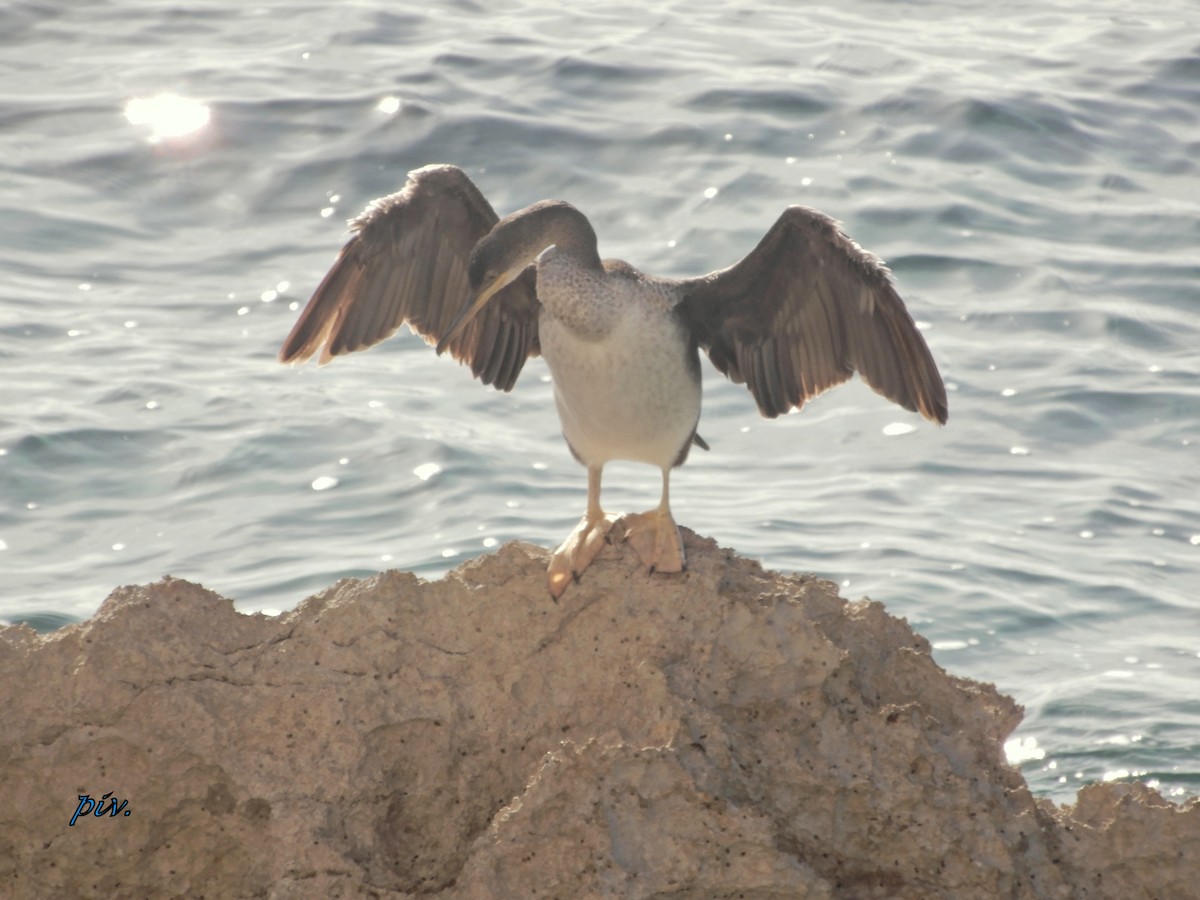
(655, 537)
(577, 552)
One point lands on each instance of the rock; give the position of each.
(727, 732)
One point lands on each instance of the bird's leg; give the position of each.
(588, 539)
(654, 535)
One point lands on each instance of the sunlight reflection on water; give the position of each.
(168, 116)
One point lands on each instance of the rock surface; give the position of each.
(727, 732)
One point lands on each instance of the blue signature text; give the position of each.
(97, 807)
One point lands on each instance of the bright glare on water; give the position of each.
(175, 183)
(167, 116)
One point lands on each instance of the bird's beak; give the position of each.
(473, 308)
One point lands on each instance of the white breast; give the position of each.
(630, 391)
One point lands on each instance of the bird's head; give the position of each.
(514, 244)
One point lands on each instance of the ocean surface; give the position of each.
(175, 179)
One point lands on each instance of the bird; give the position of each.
(801, 313)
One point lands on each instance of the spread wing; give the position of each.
(407, 264)
(805, 310)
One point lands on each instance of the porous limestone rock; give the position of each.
(726, 732)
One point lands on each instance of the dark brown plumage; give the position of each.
(407, 264)
(805, 310)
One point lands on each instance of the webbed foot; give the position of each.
(656, 539)
(576, 553)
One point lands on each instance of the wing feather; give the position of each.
(805, 310)
(406, 263)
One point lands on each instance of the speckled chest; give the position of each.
(626, 377)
